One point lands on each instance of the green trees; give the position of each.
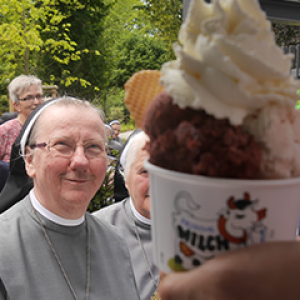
(286, 34)
(82, 74)
(52, 39)
(131, 46)
(135, 53)
(20, 36)
(166, 17)
(89, 48)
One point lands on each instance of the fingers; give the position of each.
(260, 272)
(168, 287)
(179, 285)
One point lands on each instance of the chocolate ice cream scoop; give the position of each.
(190, 141)
(165, 115)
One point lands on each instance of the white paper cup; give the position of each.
(195, 218)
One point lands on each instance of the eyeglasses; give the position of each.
(66, 147)
(39, 97)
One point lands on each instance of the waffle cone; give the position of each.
(140, 90)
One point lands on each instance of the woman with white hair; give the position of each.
(26, 93)
(132, 215)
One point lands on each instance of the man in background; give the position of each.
(116, 143)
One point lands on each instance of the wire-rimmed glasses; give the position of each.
(66, 147)
(39, 97)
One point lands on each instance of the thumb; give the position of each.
(172, 286)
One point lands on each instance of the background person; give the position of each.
(116, 126)
(26, 93)
(108, 136)
(50, 247)
(132, 215)
(116, 143)
(120, 190)
(18, 184)
(109, 131)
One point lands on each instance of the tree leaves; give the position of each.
(286, 35)
(166, 16)
(49, 37)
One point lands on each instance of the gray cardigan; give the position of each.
(28, 269)
(121, 216)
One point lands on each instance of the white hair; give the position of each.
(21, 84)
(129, 154)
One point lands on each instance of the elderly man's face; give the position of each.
(65, 185)
(137, 184)
(117, 130)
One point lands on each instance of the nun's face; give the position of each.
(108, 132)
(117, 130)
(65, 185)
(137, 183)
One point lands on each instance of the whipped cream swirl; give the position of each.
(228, 62)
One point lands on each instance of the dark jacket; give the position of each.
(18, 183)
(7, 116)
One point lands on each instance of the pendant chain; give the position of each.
(88, 258)
(144, 252)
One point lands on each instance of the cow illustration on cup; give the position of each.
(238, 224)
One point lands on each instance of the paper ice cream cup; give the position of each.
(195, 218)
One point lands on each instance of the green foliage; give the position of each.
(286, 35)
(131, 42)
(105, 194)
(128, 126)
(83, 75)
(19, 35)
(121, 21)
(298, 102)
(113, 103)
(135, 53)
(4, 104)
(116, 113)
(57, 40)
(166, 17)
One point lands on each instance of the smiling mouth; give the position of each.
(78, 180)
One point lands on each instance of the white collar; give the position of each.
(141, 218)
(51, 216)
